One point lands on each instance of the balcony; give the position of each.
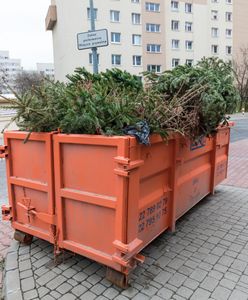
(51, 17)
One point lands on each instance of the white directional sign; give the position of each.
(92, 39)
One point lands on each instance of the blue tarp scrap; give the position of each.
(140, 130)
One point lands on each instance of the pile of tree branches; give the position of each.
(208, 89)
(192, 101)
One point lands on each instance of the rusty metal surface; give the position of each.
(117, 278)
(22, 237)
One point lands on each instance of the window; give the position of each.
(136, 18)
(189, 45)
(136, 39)
(114, 16)
(189, 62)
(95, 13)
(215, 1)
(174, 5)
(214, 14)
(228, 16)
(228, 33)
(175, 44)
(135, 1)
(214, 32)
(150, 6)
(154, 68)
(188, 7)
(188, 26)
(116, 59)
(215, 49)
(115, 37)
(229, 50)
(154, 48)
(229, 1)
(91, 58)
(152, 27)
(136, 60)
(175, 62)
(174, 25)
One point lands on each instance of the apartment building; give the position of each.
(45, 69)
(9, 68)
(153, 35)
(240, 27)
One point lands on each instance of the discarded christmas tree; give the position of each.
(191, 101)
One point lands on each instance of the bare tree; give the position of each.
(20, 83)
(26, 80)
(3, 78)
(240, 67)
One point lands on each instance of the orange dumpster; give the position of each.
(107, 198)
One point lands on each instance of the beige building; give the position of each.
(240, 27)
(150, 35)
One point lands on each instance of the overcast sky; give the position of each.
(22, 31)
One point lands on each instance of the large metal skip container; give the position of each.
(106, 198)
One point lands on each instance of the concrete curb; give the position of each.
(11, 282)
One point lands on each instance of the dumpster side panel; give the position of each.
(90, 194)
(89, 220)
(30, 187)
(83, 167)
(33, 198)
(222, 151)
(149, 209)
(193, 173)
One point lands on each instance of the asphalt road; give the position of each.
(240, 130)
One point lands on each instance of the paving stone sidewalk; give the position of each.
(238, 164)
(6, 233)
(206, 258)
(5, 229)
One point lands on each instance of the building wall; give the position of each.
(72, 19)
(222, 24)
(154, 38)
(240, 23)
(201, 31)
(201, 35)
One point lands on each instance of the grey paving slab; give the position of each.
(193, 263)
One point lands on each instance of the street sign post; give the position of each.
(92, 39)
(93, 28)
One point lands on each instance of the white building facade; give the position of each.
(153, 35)
(46, 69)
(9, 68)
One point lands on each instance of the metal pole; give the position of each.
(92, 28)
